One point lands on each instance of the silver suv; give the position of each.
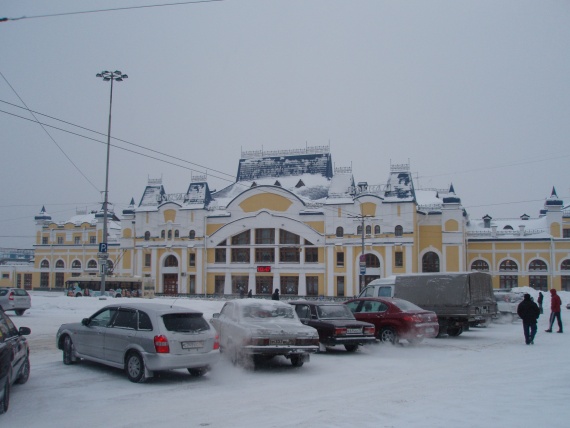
(15, 299)
(142, 338)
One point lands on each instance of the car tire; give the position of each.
(297, 361)
(454, 331)
(388, 335)
(135, 368)
(199, 371)
(5, 401)
(24, 372)
(20, 312)
(67, 351)
(351, 348)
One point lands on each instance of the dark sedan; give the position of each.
(395, 319)
(335, 323)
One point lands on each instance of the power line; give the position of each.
(109, 10)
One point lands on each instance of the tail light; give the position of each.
(369, 330)
(161, 344)
(412, 318)
(311, 341)
(11, 295)
(256, 341)
(217, 342)
(340, 331)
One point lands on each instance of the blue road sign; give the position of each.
(103, 247)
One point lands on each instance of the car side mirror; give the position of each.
(24, 331)
(85, 321)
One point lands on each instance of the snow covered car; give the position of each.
(254, 329)
(14, 358)
(335, 323)
(142, 338)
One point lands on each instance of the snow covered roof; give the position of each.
(509, 228)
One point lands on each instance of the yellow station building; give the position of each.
(294, 222)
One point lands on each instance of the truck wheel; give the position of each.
(454, 331)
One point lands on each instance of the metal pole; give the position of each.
(105, 208)
(363, 257)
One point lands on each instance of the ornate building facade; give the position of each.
(293, 221)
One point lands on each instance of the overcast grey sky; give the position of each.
(474, 93)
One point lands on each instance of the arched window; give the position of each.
(76, 264)
(92, 264)
(508, 227)
(430, 262)
(372, 261)
(537, 265)
(376, 230)
(110, 264)
(171, 261)
(170, 234)
(192, 234)
(535, 280)
(359, 230)
(565, 265)
(399, 231)
(163, 234)
(339, 232)
(368, 230)
(44, 264)
(177, 233)
(508, 266)
(147, 236)
(59, 264)
(565, 277)
(480, 265)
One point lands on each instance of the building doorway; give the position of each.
(170, 282)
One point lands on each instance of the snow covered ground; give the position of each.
(487, 377)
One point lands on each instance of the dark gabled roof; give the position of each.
(198, 193)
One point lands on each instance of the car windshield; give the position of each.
(267, 311)
(3, 292)
(404, 305)
(334, 312)
(185, 322)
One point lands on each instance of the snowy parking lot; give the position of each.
(486, 377)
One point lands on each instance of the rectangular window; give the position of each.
(60, 240)
(92, 239)
(265, 255)
(59, 279)
(263, 285)
(28, 281)
(311, 255)
(19, 280)
(399, 259)
(192, 284)
(264, 236)
(192, 259)
(147, 259)
(289, 285)
(289, 238)
(44, 240)
(508, 281)
(565, 283)
(566, 233)
(340, 259)
(44, 279)
(538, 282)
(219, 283)
(241, 239)
(220, 255)
(289, 255)
(77, 240)
(340, 286)
(240, 284)
(240, 255)
(312, 285)
(5, 276)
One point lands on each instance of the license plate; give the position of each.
(192, 345)
(353, 331)
(279, 342)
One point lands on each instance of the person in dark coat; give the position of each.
(539, 300)
(249, 294)
(275, 295)
(555, 303)
(529, 313)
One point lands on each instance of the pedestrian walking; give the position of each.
(540, 299)
(249, 294)
(555, 304)
(275, 295)
(529, 313)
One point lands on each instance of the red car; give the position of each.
(395, 319)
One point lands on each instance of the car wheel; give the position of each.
(199, 371)
(454, 331)
(20, 312)
(388, 335)
(351, 348)
(67, 351)
(24, 372)
(297, 361)
(135, 368)
(5, 401)
(78, 295)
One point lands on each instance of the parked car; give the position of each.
(253, 329)
(142, 338)
(507, 304)
(14, 358)
(15, 299)
(335, 323)
(395, 318)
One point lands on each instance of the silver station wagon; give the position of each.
(142, 338)
(252, 330)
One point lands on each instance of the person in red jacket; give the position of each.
(555, 304)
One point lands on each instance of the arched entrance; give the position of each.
(170, 275)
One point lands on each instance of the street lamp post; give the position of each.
(119, 77)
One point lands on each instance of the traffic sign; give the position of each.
(103, 247)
